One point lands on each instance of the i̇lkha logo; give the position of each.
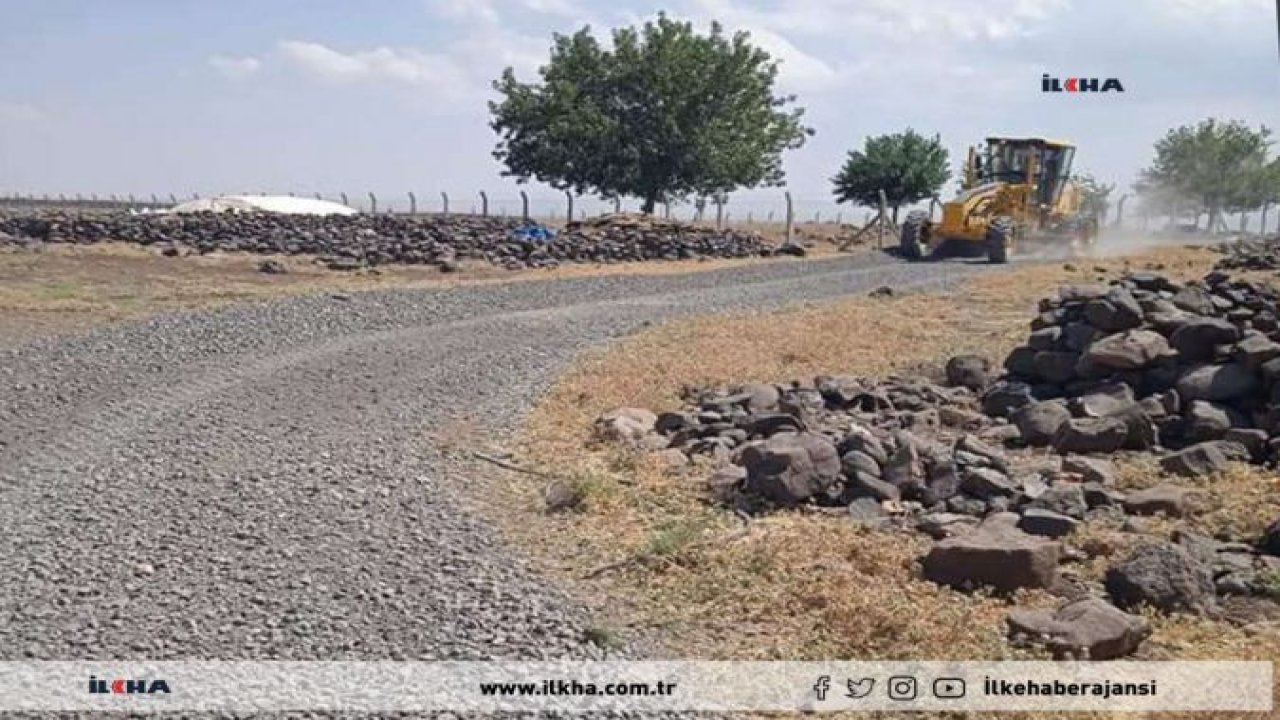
(127, 686)
(1049, 83)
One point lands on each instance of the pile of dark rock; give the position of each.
(1147, 363)
(369, 240)
(1000, 469)
(1253, 253)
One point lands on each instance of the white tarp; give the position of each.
(283, 204)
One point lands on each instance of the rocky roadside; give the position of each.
(352, 243)
(1002, 469)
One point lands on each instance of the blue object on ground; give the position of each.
(535, 232)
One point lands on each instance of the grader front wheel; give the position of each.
(915, 234)
(1000, 238)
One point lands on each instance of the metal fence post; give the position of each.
(666, 210)
(444, 197)
(524, 206)
(344, 198)
(484, 204)
(373, 203)
(790, 218)
(413, 203)
(617, 204)
(568, 198)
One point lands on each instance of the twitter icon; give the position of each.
(860, 688)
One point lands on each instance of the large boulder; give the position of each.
(1086, 629)
(1220, 383)
(1255, 350)
(1055, 366)
(1207, 420)
(1203, 459)
(1039, 421)
(1130, 350)
(996, 554)
(968, 371)
(788, 469)
(1164, 576)
(1117, 311)
(1006, 396)
(1196, 337)
(1194, 300)
(1091, 435)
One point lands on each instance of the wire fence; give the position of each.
(731, 211)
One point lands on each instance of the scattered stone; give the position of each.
(1203, 459)
(1164, 576)
(626, 425)
(867, 511)
(1218, 382)
(1047, 523)
(789, 469)
(1090, 470)
(1165, 498)
(1085, 629)
(943, 525)
(1131, 350)
(1091, 435)
(1039, 422)
(272, 267)
(996, 554)
(968, 371)
(1063, 498)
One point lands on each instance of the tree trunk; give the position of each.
(895, 213)
(650, 202)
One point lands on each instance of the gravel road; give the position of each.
(253, 483)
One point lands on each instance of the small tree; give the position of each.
(1213, 163)
(907, 166)
(1095, 195)
(664, 114)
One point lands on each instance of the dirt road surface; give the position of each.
(255, 482)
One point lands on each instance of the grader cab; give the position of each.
(1015, 191)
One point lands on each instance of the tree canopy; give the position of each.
(665, 113)
(907, 166)
(1096, 195)
(1212, 167)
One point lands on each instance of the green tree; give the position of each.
(1095, 195)
(907, 166)
(667, 112)
(1213, 164)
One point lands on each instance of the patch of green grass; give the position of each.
(1268, 583)
(670, 539)
(61, 291)
(603, 636)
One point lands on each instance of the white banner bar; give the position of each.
(486, 687)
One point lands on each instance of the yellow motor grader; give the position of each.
(1015, 191)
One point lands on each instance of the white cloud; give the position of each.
(378, 65)
(235, 67)
(465, 10)
(903, 21)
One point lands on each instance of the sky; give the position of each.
(173, 96)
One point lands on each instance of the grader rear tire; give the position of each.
(915, 235)
(1000, 237)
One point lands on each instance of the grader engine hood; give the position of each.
(956, 212)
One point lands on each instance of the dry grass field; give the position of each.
(656, 557)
